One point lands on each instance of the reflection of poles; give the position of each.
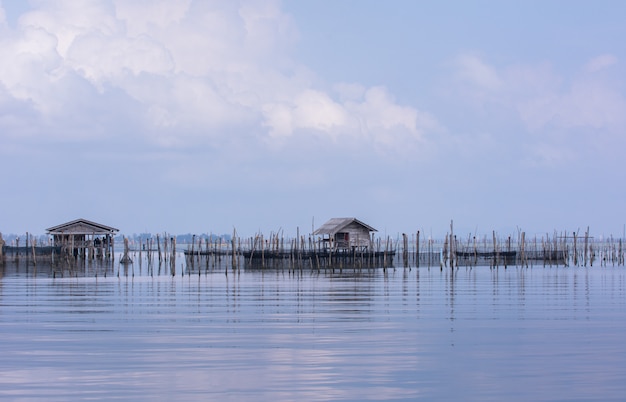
(452, 300)
(417, 250)
(165, 245)
(575, 250)
(126, 257)
(405, 250)
(234, 258)
(452, 245)
(159, 246)
(90, 246)
(586, 245)
(522, 257)
(34, 242)
(508, 251)
(444, 253)
(495, 250)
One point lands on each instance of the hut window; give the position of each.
(342, 236)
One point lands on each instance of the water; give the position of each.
(400, 334)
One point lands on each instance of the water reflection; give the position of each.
(144, 332)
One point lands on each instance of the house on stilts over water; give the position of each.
(338, 243)
(84, 239)
(346, 234)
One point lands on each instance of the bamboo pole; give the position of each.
(475, 252)
(417, 250)
(495, 250)
(165, 246)
(173, 250)
(575, 251)
(405, 250)
(452, 248)
(586, 245)
(522, 249)
(233, 243)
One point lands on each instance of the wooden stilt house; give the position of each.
(346, 234)
(83, 238)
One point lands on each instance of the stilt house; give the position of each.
(83, 238)
(345, 234)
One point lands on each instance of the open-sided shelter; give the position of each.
(81, 236)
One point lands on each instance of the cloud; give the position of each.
(193, 71)
(33, 64)
(568, 112)
(388, 123)
(310, 109)
(543, 98)
(3, 17)
(472, 69)
(141, 16)
(359, 117)
(585, 104)
(601, 62)
(67, 21)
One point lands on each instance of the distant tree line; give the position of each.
(15, 239)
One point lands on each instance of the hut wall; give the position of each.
(357, 234)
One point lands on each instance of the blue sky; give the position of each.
(203, 116)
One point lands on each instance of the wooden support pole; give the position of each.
(417, 250)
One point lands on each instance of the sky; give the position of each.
(198, 116)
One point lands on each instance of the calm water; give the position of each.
(403, 334)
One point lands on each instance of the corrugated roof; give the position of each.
(335, 225)
(81, 226)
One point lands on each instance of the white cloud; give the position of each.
(380, 111)
(316, 110)
(310, 110)
(601, 62)
(544, 99)
(368, 116)
(474, 70)
(33, 67)
(195, 69)
(563, 117)
(68, 20)
(278, 119)
(349, 91)
(587, 104)
(103, 59)
(141, 16)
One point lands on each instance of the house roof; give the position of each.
(336, 225)
(82, 226)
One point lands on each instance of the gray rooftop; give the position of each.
(81, 226)
(335, 225)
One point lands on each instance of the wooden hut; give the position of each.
(83, 238)
(343, 234)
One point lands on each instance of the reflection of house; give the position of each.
(84, 238)
(345, 234)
